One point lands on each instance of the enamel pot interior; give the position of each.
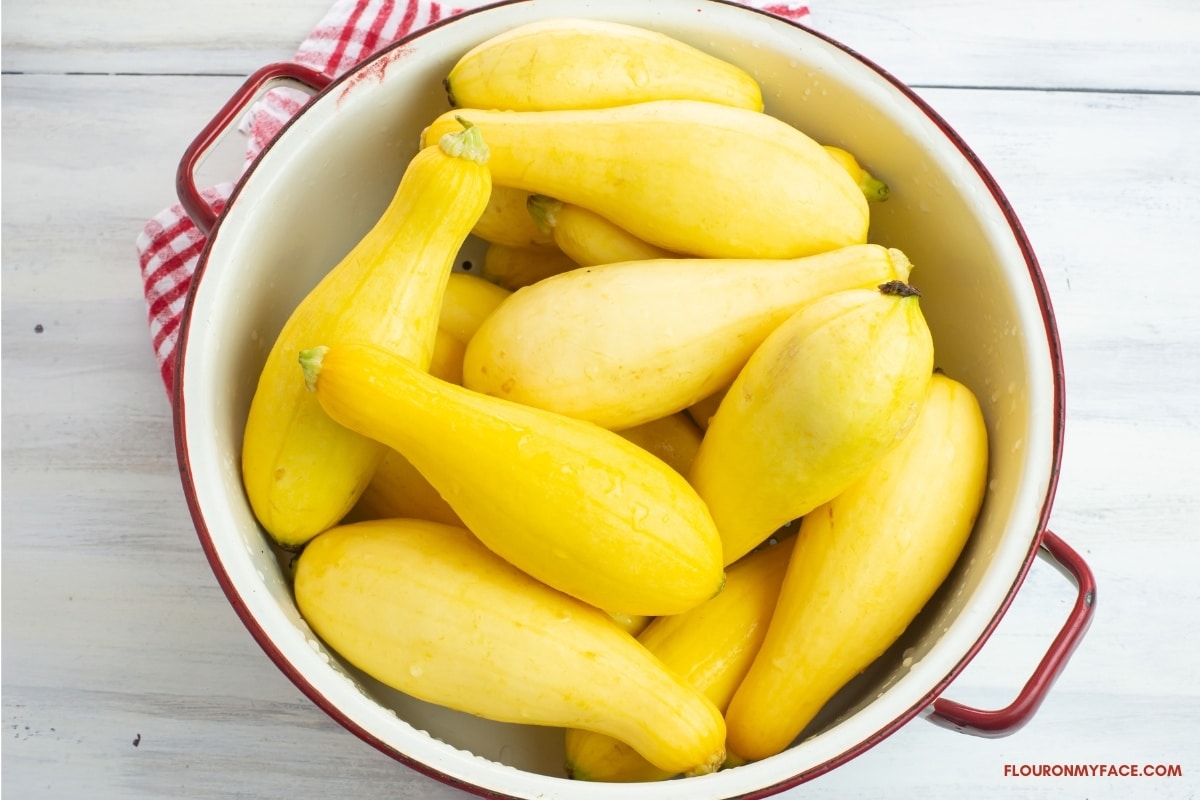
(320, 186)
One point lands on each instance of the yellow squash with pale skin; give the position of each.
(864, 566)
(623, 344)
(302, 471)
(710, 648)
(579, 507)
(688, 176)
(428, 610)
(588, 63)
(588, 238)
(832, 389)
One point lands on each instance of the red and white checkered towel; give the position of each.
(169, 245)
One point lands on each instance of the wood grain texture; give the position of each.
(1030, 43)
(126, 673)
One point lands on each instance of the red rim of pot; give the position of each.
(928, 700)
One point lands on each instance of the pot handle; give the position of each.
(190, 198)
(995, 724)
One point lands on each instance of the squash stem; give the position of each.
(467, 143)
(710, 766)
(898, 289)
(875, 190)
(544, 211)
(311, 361)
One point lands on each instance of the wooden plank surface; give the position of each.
(127, 675)
(1149, 45)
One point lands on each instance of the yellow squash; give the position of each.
(589, 63)
(688, 176)
(302, 471)
(865, 564)
(623, 344)
(506, 221)
(576, 506)
(428, 610)
(513, 267)
(397, 489)
(710, 648)
(587, 238)
(826, 394)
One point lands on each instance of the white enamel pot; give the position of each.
(323, 181)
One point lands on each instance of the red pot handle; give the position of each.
(185, 177)
(1005, 721)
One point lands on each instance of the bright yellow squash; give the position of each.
(588, 238)
(397, 489)
(710, 648)
(589, 63)
(823, 397)
(865, 564)
(428, 610)
(688, 176)
(623, 344)
(302, 471)
(574, 505)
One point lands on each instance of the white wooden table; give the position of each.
(127, 675)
